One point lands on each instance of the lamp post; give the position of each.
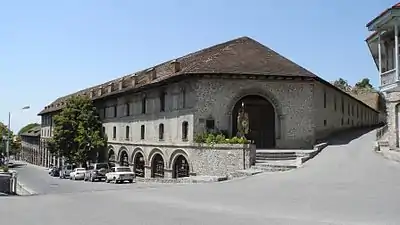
(9, 134)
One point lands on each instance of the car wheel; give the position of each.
(130, 181)
(114, 180)
(107, 180)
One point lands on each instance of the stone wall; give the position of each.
(209, 160)
(330, 117)
(292, 100)
(392, 103)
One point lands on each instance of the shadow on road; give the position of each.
(346, 136)
(16, 165)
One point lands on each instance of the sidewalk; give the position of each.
(391, 155)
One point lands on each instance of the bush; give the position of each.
(219, 138)
(4, 168)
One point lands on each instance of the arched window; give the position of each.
(142, 129)
(185, 129)
(127, 132)
(161, 131)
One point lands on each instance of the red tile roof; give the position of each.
(395, 6)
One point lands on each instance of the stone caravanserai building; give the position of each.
(30, 151)
(152, 117)
(384, 47)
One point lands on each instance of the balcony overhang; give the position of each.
(385, 18)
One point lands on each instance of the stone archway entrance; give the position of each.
(111, 158)
(138, 165)
(123, 160)
(157, 166)
(180, 167)
(261, 119)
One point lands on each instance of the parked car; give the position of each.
(77, 174)
(66, 170)
(55, 171)
(120, 174)
(96, 171)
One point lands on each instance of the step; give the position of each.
(293, 162)
(275, 158)
(270, 169)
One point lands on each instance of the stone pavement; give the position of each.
(347, 183)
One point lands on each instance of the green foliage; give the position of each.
(4, 168)
(27, 128)
(364, 84)
(218, 138)
(77, 131)
(15, 141)
(342, 84)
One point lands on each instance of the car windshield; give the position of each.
(102, 166)
(123, 169)
(80, 169)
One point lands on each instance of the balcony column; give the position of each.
(396, 50)
(379, 56)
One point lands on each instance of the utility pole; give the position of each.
(8, 137)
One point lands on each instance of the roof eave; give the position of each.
(373, 25)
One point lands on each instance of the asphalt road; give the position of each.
(347, 183)
(37, 180)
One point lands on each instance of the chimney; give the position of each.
(100, 90)
(133, 80)
(109, 87)
(151, 74)
(120, 84)
(176, 66)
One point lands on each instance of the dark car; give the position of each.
(55, 171)
(97, 171)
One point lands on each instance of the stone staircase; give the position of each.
(276, 160)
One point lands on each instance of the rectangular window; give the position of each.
(184, 98)
(127, 109)
(352, 110)
(334, 103)
(114, 133)
(325, 99)
(348, 108)
(342, 105)
(357, 112)
(162, 101)
(115, 111)
(210, 124)
(104, 130)
(185, 128)
(142, 131)
(325, 122)
(144, 105)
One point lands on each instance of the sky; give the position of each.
(53, 48)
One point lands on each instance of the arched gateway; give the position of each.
(123, 160)
(157, 166)
(138, 165)
(180, 167)
(259, 115)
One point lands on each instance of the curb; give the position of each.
(22, 190)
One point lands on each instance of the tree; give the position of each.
(77, 131)
(363, 86)
(27, 128)
(342, 84)
(15, 141)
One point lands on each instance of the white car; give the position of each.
(77, 174)
(120, 174)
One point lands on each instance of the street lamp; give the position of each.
(9, 133)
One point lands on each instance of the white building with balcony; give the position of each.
(384, 46)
